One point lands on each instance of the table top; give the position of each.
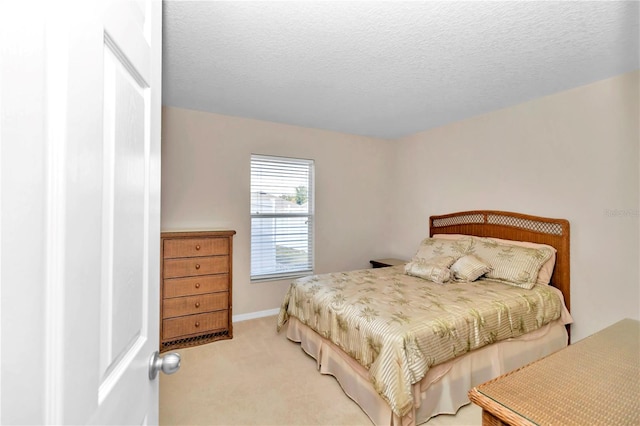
(594, 381)
(389, 261)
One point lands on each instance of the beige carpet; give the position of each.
(261, 378)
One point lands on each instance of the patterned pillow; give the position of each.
(511, 264)
(469, 268)
(434, 247)
(546, 271)
(436, 269)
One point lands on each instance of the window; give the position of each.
(281, 217)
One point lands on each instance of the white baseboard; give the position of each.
(254, 315)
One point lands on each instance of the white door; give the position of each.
(101, 76)
(109, 317)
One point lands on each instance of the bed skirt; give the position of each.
(444, 388)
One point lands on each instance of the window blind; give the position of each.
(281, 217)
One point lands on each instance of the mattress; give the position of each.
(398, 327)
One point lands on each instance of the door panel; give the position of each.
(124, 283)
(111, 209)
(130, 221)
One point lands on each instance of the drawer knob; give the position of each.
(197, 324)
(197, 285)
(197, 304)
(197, 246)
(197, 266)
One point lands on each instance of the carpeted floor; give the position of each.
(261, 378)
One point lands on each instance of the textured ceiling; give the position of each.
(387, 69)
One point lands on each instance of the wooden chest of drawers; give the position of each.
(196, 275)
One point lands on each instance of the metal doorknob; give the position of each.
(169, 364)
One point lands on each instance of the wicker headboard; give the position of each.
(514, 226)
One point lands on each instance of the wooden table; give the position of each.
(383, 263)
(593, 382)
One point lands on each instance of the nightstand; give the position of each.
(383, 263)
(594, 381)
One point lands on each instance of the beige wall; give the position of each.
(571, 155)
(206, 182)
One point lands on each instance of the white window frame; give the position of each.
(309, 267)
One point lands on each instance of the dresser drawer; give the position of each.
(192, 247)
(180, 306)
(177, 287)
(194, 324)
(196, 266)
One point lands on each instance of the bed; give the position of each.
(406, 343)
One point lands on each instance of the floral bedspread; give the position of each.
(398, 326)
